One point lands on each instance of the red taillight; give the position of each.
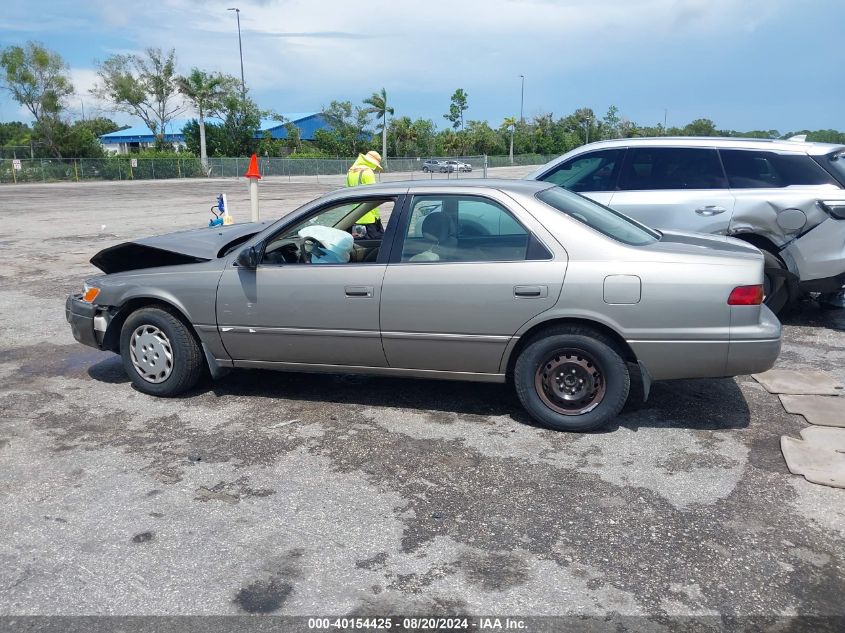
(746, 296)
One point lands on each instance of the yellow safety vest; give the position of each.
(362, 175)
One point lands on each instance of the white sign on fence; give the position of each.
(134, 162)
(16, 163)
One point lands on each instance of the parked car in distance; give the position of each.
(479, 280)
(433, 165)
(459, 165)
(787, 198)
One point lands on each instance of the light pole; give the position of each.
(522, 99)
(240, 50)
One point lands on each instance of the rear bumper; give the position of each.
(759, 347)
(81, 315)
(755, 352)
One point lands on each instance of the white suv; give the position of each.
(787, 198)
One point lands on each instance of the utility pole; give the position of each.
(83, 109)
(240, 50)
(522, 99)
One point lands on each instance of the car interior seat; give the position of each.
(439, 231)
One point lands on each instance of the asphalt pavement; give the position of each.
(321, 494)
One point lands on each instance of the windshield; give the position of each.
(835, 163)
(602, 219)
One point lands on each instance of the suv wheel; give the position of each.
(160, 354)
(426, 169)
(775, 282)
(572, 379)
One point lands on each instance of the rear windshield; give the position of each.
(835, 164)
(602, 219)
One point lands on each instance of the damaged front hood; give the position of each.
(172, 249)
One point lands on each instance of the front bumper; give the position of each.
(80, 315)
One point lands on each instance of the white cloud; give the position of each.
(334, 46)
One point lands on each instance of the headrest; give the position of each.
(438, 226)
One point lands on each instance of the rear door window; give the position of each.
(462, 229)
(754, 169)
(656, 168)
(594, 171)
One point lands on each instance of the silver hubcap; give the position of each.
(151, 353)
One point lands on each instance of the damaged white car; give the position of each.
(787, 198)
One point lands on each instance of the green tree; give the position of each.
(482, 139)
(207, 92)
(510, 124)
(213, 138)
(241, 123)
(457, 107)
(700, 127)
(378, 106)
(143, 86)
(39, 80)
(610, 123)
(348, 129)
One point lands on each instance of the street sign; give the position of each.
(134, 162)
(16, 163)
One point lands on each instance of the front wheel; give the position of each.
(160, 354)
(572, 379)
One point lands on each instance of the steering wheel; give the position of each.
(309, 245)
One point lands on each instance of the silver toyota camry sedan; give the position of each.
(478, 280)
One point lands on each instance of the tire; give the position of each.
(775, 284)
(160, 354)
(442, 170)
(426, 169)
(593, 358)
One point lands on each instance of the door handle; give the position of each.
(530, 292)
(359, 291)
(710, 209)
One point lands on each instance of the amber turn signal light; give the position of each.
(90, 294)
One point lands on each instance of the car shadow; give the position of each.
(812, 314)
(109, 370)
(706, 404)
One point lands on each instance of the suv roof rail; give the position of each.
(798, 138)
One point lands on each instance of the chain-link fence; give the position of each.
(26, 170)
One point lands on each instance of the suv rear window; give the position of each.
(596, 216)
(755, 169)
(654, 168)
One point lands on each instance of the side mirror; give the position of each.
(248, 258)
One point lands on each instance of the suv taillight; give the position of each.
(746, 296)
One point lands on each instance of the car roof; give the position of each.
(719, 141)
(524, 187)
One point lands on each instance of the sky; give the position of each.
(746, 64)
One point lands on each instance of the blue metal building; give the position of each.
(139, 136)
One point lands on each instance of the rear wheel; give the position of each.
(775, 282)
(426, 169)
(572, 379)
(160, 354)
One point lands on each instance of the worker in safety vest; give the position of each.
(362, 172)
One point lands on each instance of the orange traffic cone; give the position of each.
(252, 170)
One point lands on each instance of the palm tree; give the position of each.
(510, 122)
(378, 106)
(205, 91)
